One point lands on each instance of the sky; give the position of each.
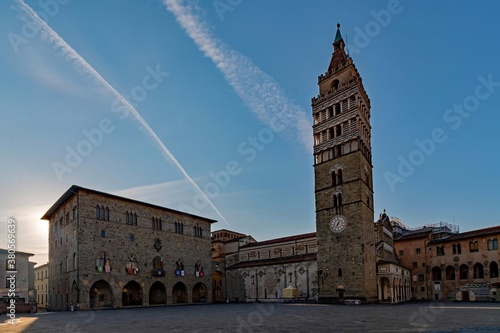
(205, 107)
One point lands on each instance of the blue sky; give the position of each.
(226, 86)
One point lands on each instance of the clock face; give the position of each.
(338, 223)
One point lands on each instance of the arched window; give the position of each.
(337, 108)
(340, 272)
(135, 218)
(492, 244)
(457, 249)
(102, 212)
(339, 177)
(450, 273)
(335, 84)
(474, 246)
(493, 269)
(464, 272)
(478, 271)
(334, 178)
(106, 214)
(97, 212)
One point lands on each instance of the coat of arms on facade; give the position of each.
(157, 245)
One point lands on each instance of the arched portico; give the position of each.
(157, 294)
(132, 294)
(179, 293)
(101, 295)
(199, 293)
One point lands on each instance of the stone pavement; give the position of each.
(269, 317)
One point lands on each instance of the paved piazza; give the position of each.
(269, 317)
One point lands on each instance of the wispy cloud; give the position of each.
(257, 89)
(82, 65)
(170, 194)
(42, 71)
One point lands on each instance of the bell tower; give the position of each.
(343, 182)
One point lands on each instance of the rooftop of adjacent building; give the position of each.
(276, 261)
(3, 251)
(225, 235)
(469, 234)
(281, 240)
(42, 266)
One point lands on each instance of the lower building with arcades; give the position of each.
(451, 266)
(108, 251)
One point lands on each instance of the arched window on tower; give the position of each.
(338, 130)
(334, 178)
(339, 177)
(337, 108)
(338, 150)
(330, 111)
(337, 203)
(335, 84)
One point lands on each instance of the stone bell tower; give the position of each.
(343, 182)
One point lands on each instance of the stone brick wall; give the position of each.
(351, 251)
(125, 245)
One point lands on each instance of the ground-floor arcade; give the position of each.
(107, 294)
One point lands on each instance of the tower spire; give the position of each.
(338, 35)
(339, 57)
(338, 42)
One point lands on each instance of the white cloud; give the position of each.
(84, 67)
(258, 90)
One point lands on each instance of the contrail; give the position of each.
(80, 63)
(257, 89)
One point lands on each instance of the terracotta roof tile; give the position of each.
(275, 261)
(280, 240)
